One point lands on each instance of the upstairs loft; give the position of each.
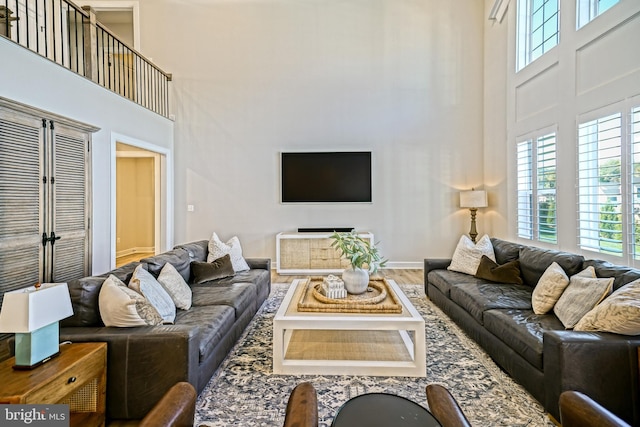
(72, 37)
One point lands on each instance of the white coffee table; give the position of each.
(348, 343)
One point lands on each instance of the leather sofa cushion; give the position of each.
(505, 251)
(213, 322)
(261, 279)
(240, 296)
(476, 298)
(621, 274)
(179, 258)
(197, 250)
(444, 279)
(84, 300)
(522, 331)
(534, 261)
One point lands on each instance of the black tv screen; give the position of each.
(326, 177)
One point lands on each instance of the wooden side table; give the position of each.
(76, 377)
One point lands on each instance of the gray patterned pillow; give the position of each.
(466, 257)
(551, 285)
(124, 307)
(218, 249)
(582, 294)
(176, 287)
(144, 283)
(618, 313)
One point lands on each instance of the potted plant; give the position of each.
(360, 253)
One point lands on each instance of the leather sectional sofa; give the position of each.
(536, 350)
(144, 362)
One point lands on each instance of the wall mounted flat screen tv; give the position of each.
(326, 177)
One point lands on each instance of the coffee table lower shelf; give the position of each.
(348, 343)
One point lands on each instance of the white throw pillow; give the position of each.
(124, 307)
(144, 283)
(582, 294)
(619, 313)
(218, 249)
(551, 285)
(176, 287)
(466, 257)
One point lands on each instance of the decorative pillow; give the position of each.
(218, 249)
(176, 287)
(505, 273)
(144, 283)
(206, 271)
(124, 307)
(618, 313)
(582, 294)
(549, 288)
(466, 257)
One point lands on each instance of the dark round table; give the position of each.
(383, 410)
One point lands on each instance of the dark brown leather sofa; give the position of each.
(536, 350)
(144, 362)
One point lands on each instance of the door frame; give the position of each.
(109, 5)
(163, 183)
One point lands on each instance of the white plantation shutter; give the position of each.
(635, 180)
(525, 189)
(600, 185)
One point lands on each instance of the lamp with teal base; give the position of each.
(33, 314)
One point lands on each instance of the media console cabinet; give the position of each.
(310, 253)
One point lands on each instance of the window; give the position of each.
(538, 29)
(590, 9)
(600, 207)
(536, 216)
(635, 179)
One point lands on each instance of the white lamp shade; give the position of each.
(28, 309)
(473, 199)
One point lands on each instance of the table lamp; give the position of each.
(473, 200)
(32, 314)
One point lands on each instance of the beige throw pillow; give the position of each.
(619, 313)
(176, 287)
(144, 283)
(466, 257)
(551, 285)
(582, 294)
(218, 249)
(124, 307)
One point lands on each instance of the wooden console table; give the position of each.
(310, 253)
(76, 377)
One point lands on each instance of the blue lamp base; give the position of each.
(35, 348)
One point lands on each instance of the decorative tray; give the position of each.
(379, 298)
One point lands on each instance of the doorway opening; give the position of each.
(140, 203)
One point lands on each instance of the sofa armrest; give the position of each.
(603, 366)
(259, 263)
(142, 363)
(434, 264)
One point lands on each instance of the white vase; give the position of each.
(356, 280)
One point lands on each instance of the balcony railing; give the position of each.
(70, 36)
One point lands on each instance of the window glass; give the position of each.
(588, 10)
(538, 29)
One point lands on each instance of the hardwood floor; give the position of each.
(401, 276)
(132, 257)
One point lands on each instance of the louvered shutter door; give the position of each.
(70, 204)
(21, 164)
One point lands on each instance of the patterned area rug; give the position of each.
(245, 392)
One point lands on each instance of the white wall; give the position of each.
(38, 82)
(591, 68)
(251, 78)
